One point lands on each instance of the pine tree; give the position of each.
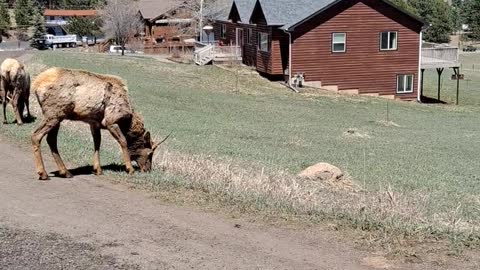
(39, 27)
(24, 12)
(440, 16)
(4, 18)
(472, 17)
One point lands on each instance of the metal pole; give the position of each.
(458, 83)
(200, 23)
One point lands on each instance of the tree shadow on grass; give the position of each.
(88, 170)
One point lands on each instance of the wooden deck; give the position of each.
(442, 57)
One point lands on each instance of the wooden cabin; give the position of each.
(366, 47)
(165, 21)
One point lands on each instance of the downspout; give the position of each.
(419, 74)
(290, 62)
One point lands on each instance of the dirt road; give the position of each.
(87, 223)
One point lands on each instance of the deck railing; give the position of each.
(233, 51)
(441, 56)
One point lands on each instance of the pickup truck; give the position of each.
(60, 41)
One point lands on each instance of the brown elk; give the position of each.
(14, 85)
(99, 100)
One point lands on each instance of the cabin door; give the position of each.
(240, 40)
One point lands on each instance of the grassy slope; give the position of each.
(431, 154)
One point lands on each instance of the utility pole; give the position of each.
(200, 21)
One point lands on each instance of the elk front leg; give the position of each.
(97, 139)
(118, 135)
(52, 142)
(37, 137)
(16, 107)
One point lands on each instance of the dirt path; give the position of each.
(59, 223)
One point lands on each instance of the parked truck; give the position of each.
(60, 41)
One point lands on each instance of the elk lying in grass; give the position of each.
(14, 86)
(99, 100)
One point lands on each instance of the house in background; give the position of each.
(62, 16)
(357, 46)
(166, 21)
(57, 19)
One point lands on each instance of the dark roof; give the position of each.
(152, 9)
(288, 14)
(244, 8)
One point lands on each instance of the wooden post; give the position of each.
(421, 83)
(439, 72)
(456, 70)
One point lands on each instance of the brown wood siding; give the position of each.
(279, 52)
(230, 37)
(363, 66)
(249, 50)
(263, 59)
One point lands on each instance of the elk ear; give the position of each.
(148, 137)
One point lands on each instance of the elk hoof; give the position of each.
(66, 174)
(43, 176)
(97, 172)
(130, 171)
(19, 123)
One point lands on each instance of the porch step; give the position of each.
(313, 84)
(348, 91)
(330, 87)
(387, 96)
(371, 94)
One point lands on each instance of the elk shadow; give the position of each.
(88, 169)
(29, 120)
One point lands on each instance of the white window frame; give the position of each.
(344, 42)
(249, 35)
(405, 80)
(223, 30)
(261, 41)
(388, 41)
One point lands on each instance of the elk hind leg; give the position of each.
(52, 142)
(97, 139)
(16, 107)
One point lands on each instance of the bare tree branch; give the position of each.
(121, 21)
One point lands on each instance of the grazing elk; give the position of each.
(99, 100)
(14, 86)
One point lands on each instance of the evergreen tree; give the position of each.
(83, 26)
(4, 18)
(471, 12)
(405, 5)
(24, 12)
(39, 26)
(440, 16)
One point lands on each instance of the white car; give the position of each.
(118, 49)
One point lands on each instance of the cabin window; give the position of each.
(404, 83)
(223, 30)
(388, 41)
(249, 35)
(339, 42)
(263, 42)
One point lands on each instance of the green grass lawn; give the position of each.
(428, 157)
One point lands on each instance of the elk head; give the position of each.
(144, 150)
